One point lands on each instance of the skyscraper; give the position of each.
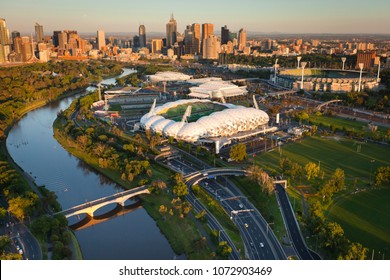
(14, 35)
(38, 33)
(211, 47)
(62, 40)
(189, 47)
(142, 36)
(207, 29)
(171, 32)
(156, 45)
(5, 41)
(196, 34)
(241, 39)
(56, 38)
(224, 35)
(101, 39)
(4, 33)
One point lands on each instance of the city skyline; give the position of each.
(254, 16)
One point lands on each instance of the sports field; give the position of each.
(356, 159)
(365, 218)
(348, 124)
(364, 214)
(198, 110)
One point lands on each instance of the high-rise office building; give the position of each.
(207, 29)
(196, 34)
(367, 58)
(5, 41)
(136, 44)
(4, 33)
(189, 47)
(101, 39)
(211, 47)
(38, 33)
(142, 36)
(171, 32)
(156, 45)
(224, 35)
(56, 35)
(62, 40)
(18, 45)
(241, 39)
(14, 35)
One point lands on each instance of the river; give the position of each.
(33, 147)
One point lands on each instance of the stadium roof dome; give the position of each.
(228, 122)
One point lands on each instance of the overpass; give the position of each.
(90, 207)
(195, 177)
(327, 103)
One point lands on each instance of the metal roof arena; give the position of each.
(228, 122)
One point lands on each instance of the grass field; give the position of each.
(198, 110)
(332, 153)
(348, 124)
(365, 218)
(365, 215)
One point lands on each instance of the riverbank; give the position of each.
(181, 233)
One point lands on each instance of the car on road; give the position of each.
(246, 225)
(20, 251)
(261, 245)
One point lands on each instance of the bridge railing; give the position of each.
(103, 199)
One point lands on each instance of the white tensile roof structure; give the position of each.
(228, 122)
(212, 89)
(168, 76)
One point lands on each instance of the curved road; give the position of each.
(292, 224)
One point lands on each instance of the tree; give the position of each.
(238, 152)
(201, 216)
(21, 206)
(338, 179)
(312, 170)
(333, 236)
(180, 189)
(163, 209)
(223, 250)
(354, 251)
(382, 176)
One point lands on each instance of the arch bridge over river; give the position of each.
(90, 207)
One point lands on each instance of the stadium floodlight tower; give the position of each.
(379, 70)
(299, 59)
(361, 65)
(343, 59)
(276, 63)
(303, 64)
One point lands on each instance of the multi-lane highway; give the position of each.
(259, 240)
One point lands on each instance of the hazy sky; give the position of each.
(287, 16)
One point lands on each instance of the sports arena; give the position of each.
(204, 120)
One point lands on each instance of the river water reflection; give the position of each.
(33, 147)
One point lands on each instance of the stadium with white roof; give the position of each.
(230, 122)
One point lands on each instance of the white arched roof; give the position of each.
(227, 122)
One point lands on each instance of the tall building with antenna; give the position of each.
(171, 32)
